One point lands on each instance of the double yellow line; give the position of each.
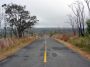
(45, 54)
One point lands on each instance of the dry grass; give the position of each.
(61, 37)
(81, 42)
(9, 46)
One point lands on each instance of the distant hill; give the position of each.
(48, 30)
(43, 30)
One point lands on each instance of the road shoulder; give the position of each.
(75, 49)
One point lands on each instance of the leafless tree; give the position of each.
(78, 10)
(72, 22)
(5, 26)
(0, 25)
(0, 20)
(88, 5)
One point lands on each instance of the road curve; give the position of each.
(58, 55)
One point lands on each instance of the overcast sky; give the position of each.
(51, 13)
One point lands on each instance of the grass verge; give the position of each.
(5, 52)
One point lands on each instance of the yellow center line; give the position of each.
(45, 54)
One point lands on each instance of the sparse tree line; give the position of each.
(78, 19)
(17, 18)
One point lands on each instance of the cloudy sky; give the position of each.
(51, 13)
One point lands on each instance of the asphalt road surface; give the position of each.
(58, 55)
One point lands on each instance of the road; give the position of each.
(58, 55)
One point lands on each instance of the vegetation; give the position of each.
(81, 42)
(18, 18)
(9, 43)
(77, 21)
(88, 26)
(9, 46)
(52, 33)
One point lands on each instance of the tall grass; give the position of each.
(9, 43)
(81, 42)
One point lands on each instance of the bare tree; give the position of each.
(72, 23)
(0, 25)
(88, 5)
(5, 25)
(0, 21)
(78, 10)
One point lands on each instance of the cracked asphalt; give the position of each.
(58, 55)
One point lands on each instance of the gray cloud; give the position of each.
(51, 13)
